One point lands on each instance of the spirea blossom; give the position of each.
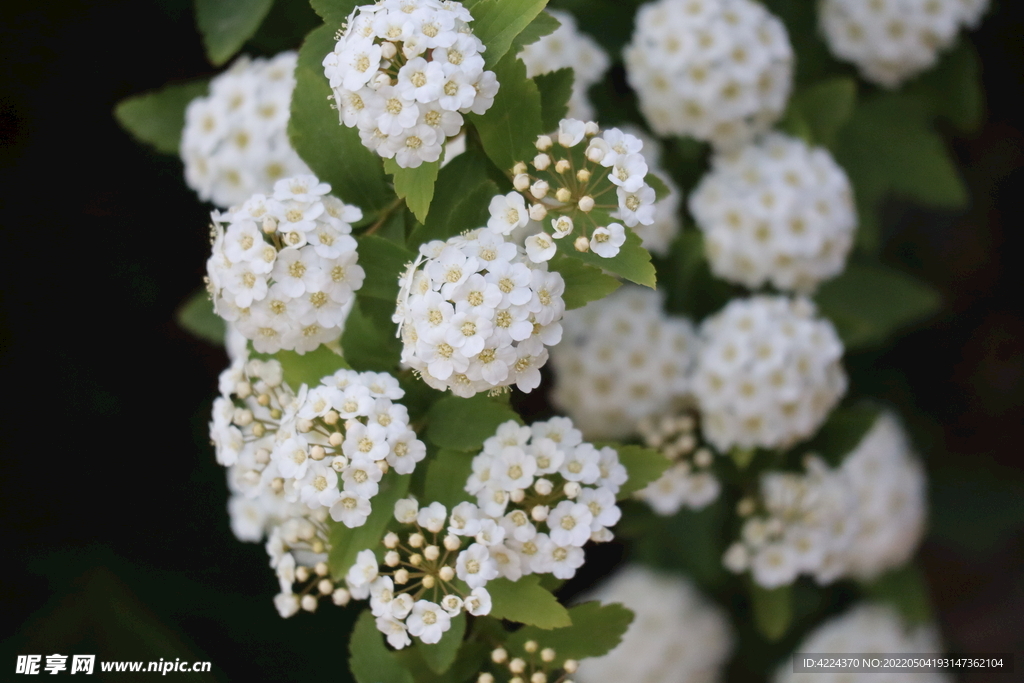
(476, 314)
(677, 635)
(284, 267)
(868, 629)
(235, 140)
(404, 72)
(690, 480)
(715, 70)
(298, 548)
(569, 47)
(777, 211)
(657, 237)
(768, 372)
(622, 360)
(892, 40)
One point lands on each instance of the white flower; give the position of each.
(540, 247)
(361, 478)
(432, 517)
(479, 602)
(570, 523)
(287, 604)
(395, 631)
(406, 510)
(508, 212)
(364, 571)
(350, 509)
(562, 560)
(428, 621)
(464, 520)
(475, 566)
(605, 242)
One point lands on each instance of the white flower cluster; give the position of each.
(715, 70)
(805, 525)
(868, 628)
(567, 46)
(677, 635)
(284, 268)
(568, 186)
(544, 474)
(325, 447)
(479, 314)
(689, 481)
(657, 237)
(622, 360)
(404, 72)
(235, 140)
(768, 373)
(889, 484)
(298, 548)
(776, 211)
(892, 40)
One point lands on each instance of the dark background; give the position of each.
(115, 531)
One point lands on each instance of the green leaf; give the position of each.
(905, 589)
(544, 24)
(825, 107)
(384, 261)
(414, 185)
(369, 342)
(468, 662)
(686, 278)
(347, 543)
(526, 602)
(644, 465)
(953, 89)
(633, 262)
(843, 431)
(226, 24)
(447, 474)
(596, 629)
(583, 283)
(869, 303)
(335, 12)
(158, 117)
(334, 152)
(441, 655)
(773, 610)
(298, 369)
(660, 187)
(510, 127)
(196, 315)
(369, 659)
(555, 89)
(498, 22)
(463, 424)
(461, 196)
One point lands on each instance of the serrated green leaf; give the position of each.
(633, 262)
(555, 88)
(906, 589)
(335, 12)
(526, 602)
(414, 185)
(369, 659)
(825, 107)
(510, 127)
(843, 431)
(773, 610)
(447, 474)
(369, 342)
(158, 117)
(463, 424)
(441, 655)
(461, 196)
(660, 187)
(197, 316)
(347, 543)
(583, 283)
(596, 629)
(332, 151)
(869, 303)
(498, 22)
(542, 25)
(226, 24)
(384, 261)
(468, 663)
(643, 465)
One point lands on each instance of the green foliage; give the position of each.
(820, 111)
(658, 185)
(510, 127)
(633, 262)
(440, 656)
(542, 25)
(367, 342)
(842, 432)
(528, 603)
(906, 590)
(773, 610)
(690, 287)
(446, 477)
(347, 543)
(196, 315)
(644, 465)
(334, 152)
(414, 185)
(335, 12)
(555, 89)
(309, 368)
(158, 117)
(468, 662)
(596, 629)
(869, 303)
(953, 89)
(583, 283)
(369, 659)
(226, 24)
(463, 424)
(498, 22)
(462, 194)
(383, 261)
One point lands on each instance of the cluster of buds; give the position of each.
(579, 188)
(690, 480)
(534, 665)
(298, 551)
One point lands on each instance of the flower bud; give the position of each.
(582, 244)
(539, 513)
(517, 665)
(391, 540)
(544, 143)
(331, 417)
(586, 204)
(243, 389)
(521, 182)
(309, 603)
(543, 486)
(336, 438)
(570, 666)
(520, 167)
(538, 212)
(590, 128)
(547, 655)
(517, 496)
(428, 581)
(541, 162)
(563, 195)
(572, 489)
(302, 574)
(431, 552)
(402, 576)
(416, 540)
(539, 677)
(321, 569)
(388, 50)
(339, 463)
(340, 597)
(383, 466)
(485, 678)
(269, 225)
(392, 558)
(583, 175)
(325, 587)
(539, 189)
(562, 166)
(258, 430)
(415, 559)
(499, 655)
(530, 646)
(446, 573)
(452, 542)
(317, 452)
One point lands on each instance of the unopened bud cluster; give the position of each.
(404, 72)
(298, 550)
(571, 184)
(284, 267)
(690, 480)
(478, 316)
(530, 662)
